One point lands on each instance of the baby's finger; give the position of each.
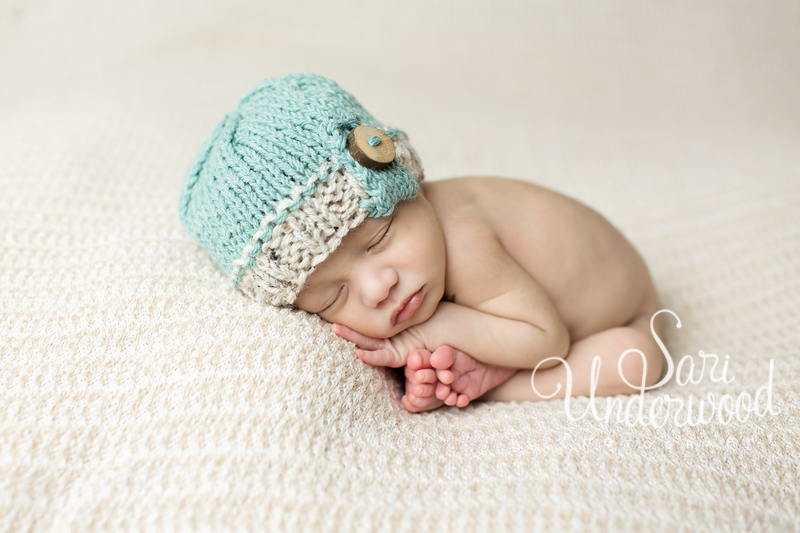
(362, 341)
(380, 358)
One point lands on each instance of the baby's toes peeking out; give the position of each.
(420, 384)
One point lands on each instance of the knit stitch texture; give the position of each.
(264, 161)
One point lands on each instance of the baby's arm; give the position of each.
(506, 319)
(492, 335)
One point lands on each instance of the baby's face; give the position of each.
(386, 276)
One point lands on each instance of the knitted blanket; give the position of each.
(139, 392)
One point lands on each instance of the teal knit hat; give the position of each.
(278, 184)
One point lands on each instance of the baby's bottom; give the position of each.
(609, 345)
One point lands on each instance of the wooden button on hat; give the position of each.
(371, 147)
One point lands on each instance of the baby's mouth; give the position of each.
(408, 308)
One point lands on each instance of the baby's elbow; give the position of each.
(561, 340)
(557, 345)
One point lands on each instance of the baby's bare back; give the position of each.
(592, 274)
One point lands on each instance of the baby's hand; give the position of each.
(391, 352)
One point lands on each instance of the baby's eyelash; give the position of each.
(383, 237)
(338, 295)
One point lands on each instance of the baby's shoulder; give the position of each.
(452, 195)
(473, 247)
(483, 193)
(460, 206)
(459, 197)
(483, 203)
(508, 207)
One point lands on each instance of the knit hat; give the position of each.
(278, 184)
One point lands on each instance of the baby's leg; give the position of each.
(609, 345)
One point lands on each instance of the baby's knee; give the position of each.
(640, 359)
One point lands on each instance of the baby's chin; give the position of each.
(416, 320)
(380, 333)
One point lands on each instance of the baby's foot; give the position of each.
(420, 383)
(463, 378)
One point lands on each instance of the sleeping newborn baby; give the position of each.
(482, 288)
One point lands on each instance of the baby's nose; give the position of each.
(378, 285)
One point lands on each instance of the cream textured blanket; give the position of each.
(138, 392)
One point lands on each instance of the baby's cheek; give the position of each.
(377, 331)
(356, 323)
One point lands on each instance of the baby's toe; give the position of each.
(442, 391)
(443, 358)
(414, 404)
(418, 359)
(420, 390)
(452, 398)
(445, 376)
(409, 404)
(427, 375)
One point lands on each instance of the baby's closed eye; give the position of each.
(381, 236)
(333, 302)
